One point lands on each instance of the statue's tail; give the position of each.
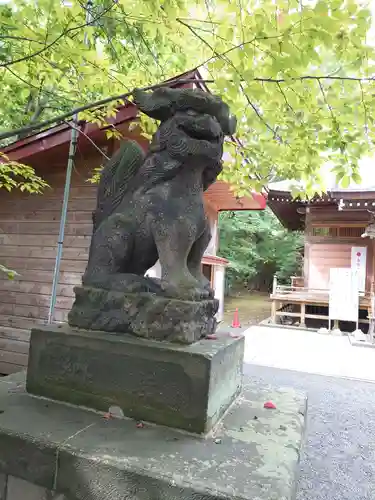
(115, 179)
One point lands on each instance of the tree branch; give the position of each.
(80, 131)
(29, 84)
(21, 38)
(335, 123)
(327, 103)
(285, 99)
(97, 104)
(57, 39)
(223, 56)
(364, 108)
(312, 77)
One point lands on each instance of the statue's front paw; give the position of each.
(183, 292)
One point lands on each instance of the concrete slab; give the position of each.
(31, 430)
(360, 343)
(253, 453)
(309, 352)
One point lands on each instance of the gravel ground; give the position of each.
(338, 461)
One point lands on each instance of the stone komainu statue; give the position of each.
(149, 208)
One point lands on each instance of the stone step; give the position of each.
(253, 453)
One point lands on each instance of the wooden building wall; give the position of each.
(330, 235)
(29, 227)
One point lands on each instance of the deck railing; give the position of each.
(299, 289)
(296, 289)
(302, 296)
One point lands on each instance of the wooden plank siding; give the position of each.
(323, 256)
(29, 228)
(323, 251)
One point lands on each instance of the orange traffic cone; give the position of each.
(236, 321)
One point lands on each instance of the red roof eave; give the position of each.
(261, 199)
(214, 260)
(60, 134)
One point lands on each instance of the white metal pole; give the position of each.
(64, 210)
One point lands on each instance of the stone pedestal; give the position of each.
(75, 454)
(143, 314)
(183, 386)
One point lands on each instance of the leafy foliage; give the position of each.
(298, 74)
(258, 246)
(9, 272)
(16, 175)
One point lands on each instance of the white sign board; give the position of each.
(358, 264)
(343, 294)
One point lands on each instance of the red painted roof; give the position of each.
(214, 260)
(60, 134)
(223, 198)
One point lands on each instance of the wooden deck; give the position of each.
(282, 296)
(312, 297)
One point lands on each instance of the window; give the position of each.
(351, 232)
(324, 231)
(340, 232)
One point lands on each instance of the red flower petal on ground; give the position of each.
(269, 405)
(211, 337)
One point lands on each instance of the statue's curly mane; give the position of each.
(115, 179)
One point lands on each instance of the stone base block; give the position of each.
(253, 454)
(183, 386)
(144, 314)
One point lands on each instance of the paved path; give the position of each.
(309, 352)
(338, 462)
